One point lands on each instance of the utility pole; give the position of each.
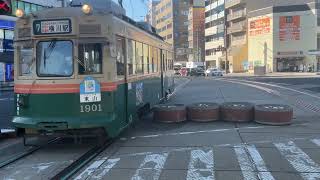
(198, 52)
(225, 38)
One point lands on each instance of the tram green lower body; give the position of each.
(63, 112)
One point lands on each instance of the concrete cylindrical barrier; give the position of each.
(204, 112)
(273, 114)
(237, 111)
(170, 113)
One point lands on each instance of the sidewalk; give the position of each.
(276, 74)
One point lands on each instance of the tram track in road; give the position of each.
(270, 89)
(82, 161)
(24, 154)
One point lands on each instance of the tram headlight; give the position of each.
(19, 13)
(86, 9)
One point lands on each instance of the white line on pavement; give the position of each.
(316, 141)
(201, 165)
(245, 164)
(308, 169)
(89, 170)
(106, 168)
(95, 166)
(282, 87)
(151, 167)
(196, 132)
(264, 174)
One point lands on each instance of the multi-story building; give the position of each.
(151, 15)
(237, 44)
(196, 30)
(214, 33)
(283, 34)
(172, 25)
(7, 23)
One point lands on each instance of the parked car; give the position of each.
(214, 72)
(196, 72)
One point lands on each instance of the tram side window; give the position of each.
(25, 61)
(146, 58)
(131, 57)
(151, 60)
(120, 46)
(139, 60)
(90, 58)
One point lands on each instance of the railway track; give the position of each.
(82, 161)
(22, 155)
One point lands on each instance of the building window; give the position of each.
(169, 36)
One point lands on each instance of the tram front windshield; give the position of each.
(54, 58)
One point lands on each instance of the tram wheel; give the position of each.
(170, 113)
(273, 114)
(203, 112)
(237, 111)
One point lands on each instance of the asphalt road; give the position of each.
(218, 150)
(6, 109)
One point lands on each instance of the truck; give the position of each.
(192, 65)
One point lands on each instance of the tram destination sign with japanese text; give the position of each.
(53, 26)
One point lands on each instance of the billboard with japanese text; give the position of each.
(289, 28)
(259, 26)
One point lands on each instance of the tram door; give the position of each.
(122, 90)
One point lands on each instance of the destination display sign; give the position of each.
(58, 26)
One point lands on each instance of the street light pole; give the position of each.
(225, 39)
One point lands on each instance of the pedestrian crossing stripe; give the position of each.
(202, 161)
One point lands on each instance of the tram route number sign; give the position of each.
(60, 26)
(90, 91)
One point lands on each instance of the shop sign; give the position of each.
(9, 72)
(4, 24)
(314, 52)
(2, 72)
(289, 28)
(5, 7)
(259, 26)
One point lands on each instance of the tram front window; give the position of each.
(90, 58)
(54, 58)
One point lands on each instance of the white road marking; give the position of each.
(106, 168)
(246, 166)
(201, 166)
(90, 170)
(263, 174)
(316, 141)
(282, 87)
(196, 132)
(299, 160)
(151, 167)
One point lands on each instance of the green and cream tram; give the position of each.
(85, 69)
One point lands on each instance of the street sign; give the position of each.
(314, 52)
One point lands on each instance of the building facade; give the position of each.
(151, 15)
(282, 34)
(237, 44)
(196, 30)
(214, 32)
(7, 23)
(172, 25)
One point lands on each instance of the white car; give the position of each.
(214, 72)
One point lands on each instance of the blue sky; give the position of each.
(136, 9)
